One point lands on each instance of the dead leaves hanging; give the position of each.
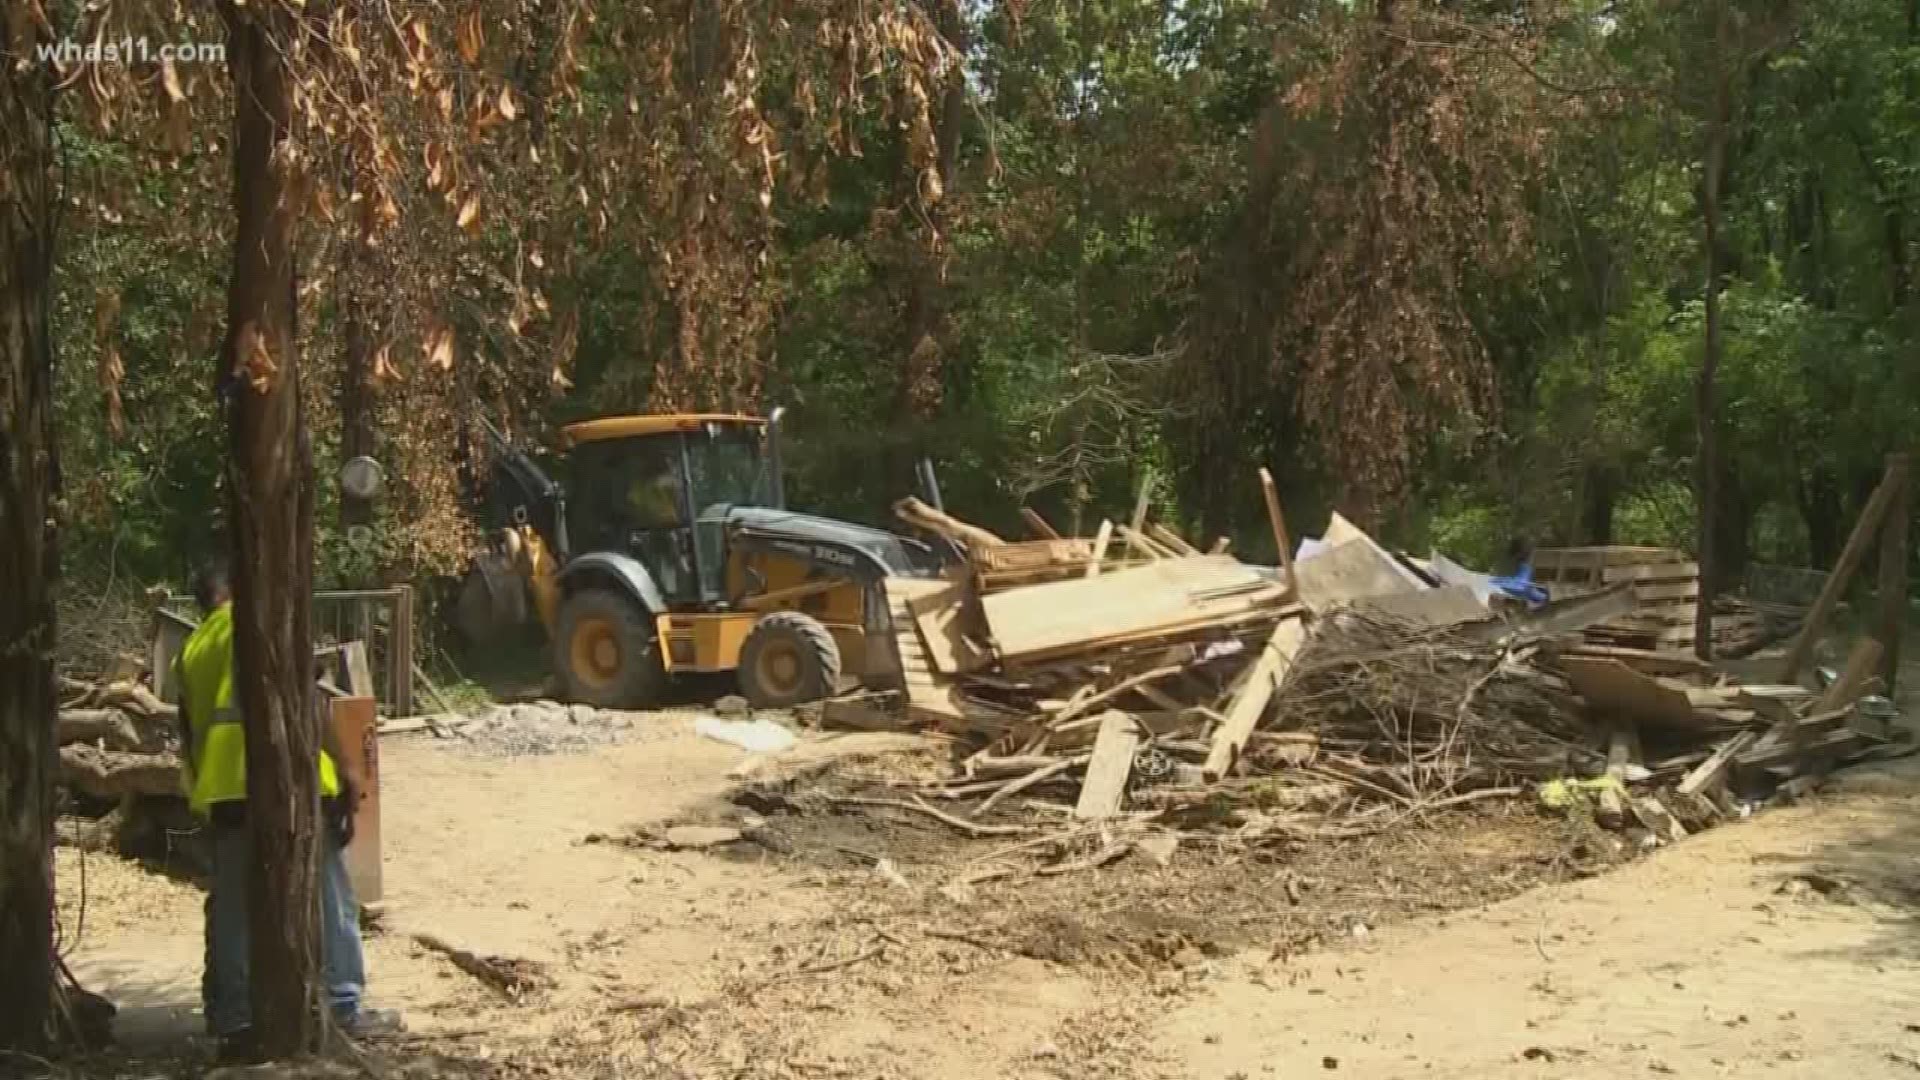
(439, 347)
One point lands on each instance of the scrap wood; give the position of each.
(1108, 767)
(1101, 540)
(1171, 540)
(1709, 773)
(1050, 618)
(1031, 779)
(1278, 523)
(947, 619)
(1829, 746)
(1139, 542)
(1269, 672)
(1614, 687)
(1038, 524)
(511, 977)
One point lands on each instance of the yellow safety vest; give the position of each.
(217, 758)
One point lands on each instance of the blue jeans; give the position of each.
(223, 988)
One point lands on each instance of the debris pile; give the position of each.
(1132, 685)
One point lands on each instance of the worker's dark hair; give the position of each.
(211, 584)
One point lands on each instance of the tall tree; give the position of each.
(270, 479)
(1706, 390)
(28, 559)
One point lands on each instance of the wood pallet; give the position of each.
(1666, 586)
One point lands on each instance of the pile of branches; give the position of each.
(1425, 714)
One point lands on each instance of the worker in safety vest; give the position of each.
(216, 782)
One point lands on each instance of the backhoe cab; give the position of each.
(666, 548)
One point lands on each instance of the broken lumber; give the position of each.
(1107, 771)
(1243, 714)
(1038, 524)
(1101, 540)
(1278, 523)
(1708, 774)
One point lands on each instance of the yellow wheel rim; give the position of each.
(594, 652)
(778, 668)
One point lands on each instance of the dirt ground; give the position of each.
(1492, 943)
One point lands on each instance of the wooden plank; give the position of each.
(1278, 522)
(1657, 818)
(1623, 749)
(1652, 572)
(1041, 618)
(947, 622)
(1862, 662)
(1106, 780)
(1655, 593)
(931, 699)
(1611, 686)
(1893, 569)
(1858, 542)
(1142, 503)
(1268, 674)
(1038, 524)
(1833, 744)
(1709, 773)
(1585, 558)
(1139, 542)
(1171, 540)
(1351, 571)
(1100, 541)
(359, 674)
(1031, 554)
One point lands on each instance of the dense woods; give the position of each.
(1631, 271)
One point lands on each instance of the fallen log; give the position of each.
(920, 515)
(110, 774)
(110, 727)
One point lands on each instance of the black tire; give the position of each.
(606, 653)
(788, 659)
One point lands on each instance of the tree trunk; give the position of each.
(1820, 510)
(28, 475)
(1706, 391)
(1597, 510)
(270, 478)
